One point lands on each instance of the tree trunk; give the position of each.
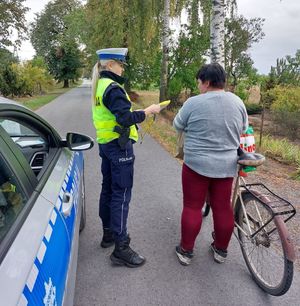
(165, 58)
(217, 32)
(66, 83)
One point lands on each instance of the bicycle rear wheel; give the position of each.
(264, 253)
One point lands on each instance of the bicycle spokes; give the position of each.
(262, 247)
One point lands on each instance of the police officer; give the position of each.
(115, 124)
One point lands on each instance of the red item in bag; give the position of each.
(247, 141)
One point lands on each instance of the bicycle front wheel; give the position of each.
(264, 253)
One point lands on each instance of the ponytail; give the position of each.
(99, 66)
(95, 78)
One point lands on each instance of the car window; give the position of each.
(12, 198)
(33, 145)
(15, 129)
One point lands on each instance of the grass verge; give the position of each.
(36, 102)
(283, 151)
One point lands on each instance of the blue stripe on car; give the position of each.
(46, 282)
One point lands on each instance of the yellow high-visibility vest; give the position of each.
(104, 120)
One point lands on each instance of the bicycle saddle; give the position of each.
(251, 159)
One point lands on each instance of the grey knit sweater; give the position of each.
(212, 123)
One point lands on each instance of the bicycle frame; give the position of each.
(238, 194)
(235, 196)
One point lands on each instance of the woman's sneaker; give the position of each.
(184, 257)
(219, 255)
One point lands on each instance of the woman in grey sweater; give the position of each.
(212, 122)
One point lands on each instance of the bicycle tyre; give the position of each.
(263, 242)
(205, 210)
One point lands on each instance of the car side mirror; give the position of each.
(79, 142)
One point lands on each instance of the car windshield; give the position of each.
(14, 129)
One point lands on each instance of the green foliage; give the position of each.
(7, 58)
(9, 84)
(188, 52)
(12, 17)
(49, 28)
(138, 25)
(286, 110)
(64, 63)
(286, 99)
(6, 73)
(286, 73)
(253, 108)
(133, 24)
(36, 79)
(175, 87)
(240, 34)
(193, 45)
(282, 149)
(287, 70)
(55, 43)
(242, 91)
(267, 83)
(38, 61)
(24, 79)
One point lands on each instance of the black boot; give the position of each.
(107, 239)
(124, 255)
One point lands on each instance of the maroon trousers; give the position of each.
(195, 189)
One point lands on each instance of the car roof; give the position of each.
(11, 102)
(8, 104)
(2, 99)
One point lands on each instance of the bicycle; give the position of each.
(260, 216)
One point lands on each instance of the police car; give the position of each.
(42, 208)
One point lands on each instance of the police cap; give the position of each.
(118, 54)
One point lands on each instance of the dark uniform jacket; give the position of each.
(116, 101)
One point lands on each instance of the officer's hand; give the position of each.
(152, 109)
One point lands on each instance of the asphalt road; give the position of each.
(154, 226)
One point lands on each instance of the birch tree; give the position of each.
(165, 49)
(217, 31)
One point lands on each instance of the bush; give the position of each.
(175, 87)
(287, 99)
(286, 110)
(242, 91)
(253, 108)
(289, 123)
(24, 79)
(9, 84)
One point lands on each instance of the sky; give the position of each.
(27, 52)
(282, 29)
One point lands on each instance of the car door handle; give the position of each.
(67, 204)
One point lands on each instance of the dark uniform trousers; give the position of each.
(117, 172)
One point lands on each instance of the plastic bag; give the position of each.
(247, 144)
(247, 141)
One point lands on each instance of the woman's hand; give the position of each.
(152, 109)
